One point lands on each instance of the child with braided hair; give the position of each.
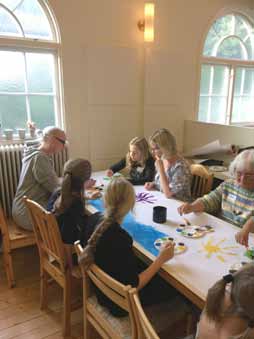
(111, 247)
(229, 310)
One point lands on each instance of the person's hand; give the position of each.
(89, 183)
(95, 195)
(109, 173)
(185, 208)
(159, 164)
(149, 186)
(242, 237)
(167, 252)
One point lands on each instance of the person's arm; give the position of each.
(45, 174)
(164, 181)
(118, 166)
(242, 237)
(196, 207)
(166, 254)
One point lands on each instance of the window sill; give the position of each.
(18, 141)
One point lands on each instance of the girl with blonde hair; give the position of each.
(229, 310)
(173, 175)
(111, 247)
(138, 162)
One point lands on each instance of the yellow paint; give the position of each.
(210, 248)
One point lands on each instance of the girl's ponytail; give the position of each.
(215, 299)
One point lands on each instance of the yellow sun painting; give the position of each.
(211, 247)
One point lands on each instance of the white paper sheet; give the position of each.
(212, 147)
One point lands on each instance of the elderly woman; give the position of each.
(233, 199)
(173, 176)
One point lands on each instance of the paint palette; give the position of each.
(194, 231)
(180, 247)
(237, 266)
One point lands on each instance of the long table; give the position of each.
(206, 259)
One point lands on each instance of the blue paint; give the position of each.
(143, 234)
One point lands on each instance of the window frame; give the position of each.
(35, 45)
(232, 64)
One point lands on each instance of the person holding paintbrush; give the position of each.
(233, 200)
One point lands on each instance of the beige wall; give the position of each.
(115, 87)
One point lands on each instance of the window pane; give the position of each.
(220, 29)
(241, 27)
(250, 47)
(205, 79)
(12, 72)
(8, 25)
(203, 108)
(220, 80)
(42, 110)
(40, 72)
(231, 33)
(218, 109)
(13, 111)
(11, 4)
(243, 101)
(33, 20)
(231, 48)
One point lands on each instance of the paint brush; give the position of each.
(187, 221)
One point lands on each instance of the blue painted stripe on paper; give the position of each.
(143, 234)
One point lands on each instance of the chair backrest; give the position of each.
(145, 329)
(202, 180)
(4, 227)
(47, 234)
(110, 287)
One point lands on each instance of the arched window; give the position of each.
(227, 72)
(29, 65)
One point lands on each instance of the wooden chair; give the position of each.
(53, 262)
(145, 328)
(13, 237)
(98, 316)
(202, 180)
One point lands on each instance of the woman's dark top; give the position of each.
(74, 224)
(114, 255)
(138, 175)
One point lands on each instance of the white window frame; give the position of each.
(232, 64)
(20, 44)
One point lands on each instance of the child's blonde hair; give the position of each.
(143, 146)
(119, 199)
(241, 296)
(166, 142)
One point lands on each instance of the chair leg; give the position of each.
(67, 306)
(44, 290)
(9, 268)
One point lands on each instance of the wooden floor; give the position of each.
(20, 314)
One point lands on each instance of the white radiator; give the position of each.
(10, 167)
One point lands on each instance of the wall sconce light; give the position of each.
(147, 24)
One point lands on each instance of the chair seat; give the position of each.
(18, 236)
(121, 325)
(163, 315)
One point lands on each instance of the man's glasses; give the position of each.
(60, 140)
(246, 176)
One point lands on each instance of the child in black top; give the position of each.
(138, 161)
(68, 205)
(110, 246)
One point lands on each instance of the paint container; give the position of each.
(159, 214)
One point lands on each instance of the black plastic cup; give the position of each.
(159, 214)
